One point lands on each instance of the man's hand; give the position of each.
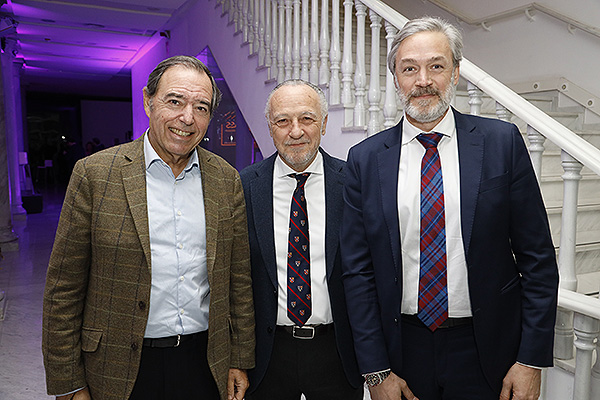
(392, 388)
(237, 384)
(83, 394)
(521, 383)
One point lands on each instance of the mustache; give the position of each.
(424, 91)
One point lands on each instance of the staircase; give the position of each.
(343, 50)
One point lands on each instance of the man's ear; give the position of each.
(147, 99)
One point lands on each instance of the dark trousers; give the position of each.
(305, 366)
(443, 365)
(176, 373)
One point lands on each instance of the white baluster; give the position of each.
(236, 15)
(250, 18)
(563, 344)
(475, 101)
(503, 113)
(347, 98)
(374, 87)
(304, 46)
(261, 33)
(390, 106)
(596, 374)
(244, 20)
(268, 36)
(586, 331)
(281, 43)
(536, 149)
(335, 54)
(256, 22)
(314, 43)
(360, 79)
(296, 41)
(324, 44)
(275, 41)
(288, 39)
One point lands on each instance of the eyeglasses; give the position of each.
(303, 121)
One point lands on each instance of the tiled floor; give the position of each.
(22, 277)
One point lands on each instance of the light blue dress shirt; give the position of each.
(180, 294)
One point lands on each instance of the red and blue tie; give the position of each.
(298, 285)
(433, 288)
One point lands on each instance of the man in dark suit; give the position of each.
(304, 343)
(148, 293)
(448, 264)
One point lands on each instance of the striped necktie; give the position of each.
(433, 289)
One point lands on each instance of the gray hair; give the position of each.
(299, 82)
(427, 24)
(187, 62)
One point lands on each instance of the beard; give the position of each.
(421, 110)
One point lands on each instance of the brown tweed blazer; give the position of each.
(98, 282)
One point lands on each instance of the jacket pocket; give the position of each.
(90, 339)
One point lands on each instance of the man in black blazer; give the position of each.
(314, 357)
(495, 287)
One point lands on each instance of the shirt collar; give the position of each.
(282, 169)
(151, 156)
(447, 127)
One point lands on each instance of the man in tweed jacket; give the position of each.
(102, 280)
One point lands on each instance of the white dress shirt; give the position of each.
(409, 191)
(283, 189)
(180, 295)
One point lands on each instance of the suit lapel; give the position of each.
(470, 159)
(211, 194)
(388, 163)
(134, 181)
(261, 195)
(334, 184)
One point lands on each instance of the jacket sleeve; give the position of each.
(66, 286)
(241, 299)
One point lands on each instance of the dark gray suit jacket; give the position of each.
(257, 181)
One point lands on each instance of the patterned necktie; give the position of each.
(298, 293)
(433, 289)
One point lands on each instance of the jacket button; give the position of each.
(269, 330)
(396, 320)
(134, 346)
(142, 305)
(396, 279)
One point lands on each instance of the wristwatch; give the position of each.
(376, 378)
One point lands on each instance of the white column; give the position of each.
(360, 80)
(347, 98)
(390, 106)
(475, 98)
(335, 54)
(256, 25)
(244, 20)
(8, 238)
(296, 41)
(374, 86)
(281, 43)
(324, 44)
(314, 43)
(586, 331)
(536, 150)
(304, 44)
(12, 94)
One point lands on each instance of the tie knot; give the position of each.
(429, 140)
(301, 178)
